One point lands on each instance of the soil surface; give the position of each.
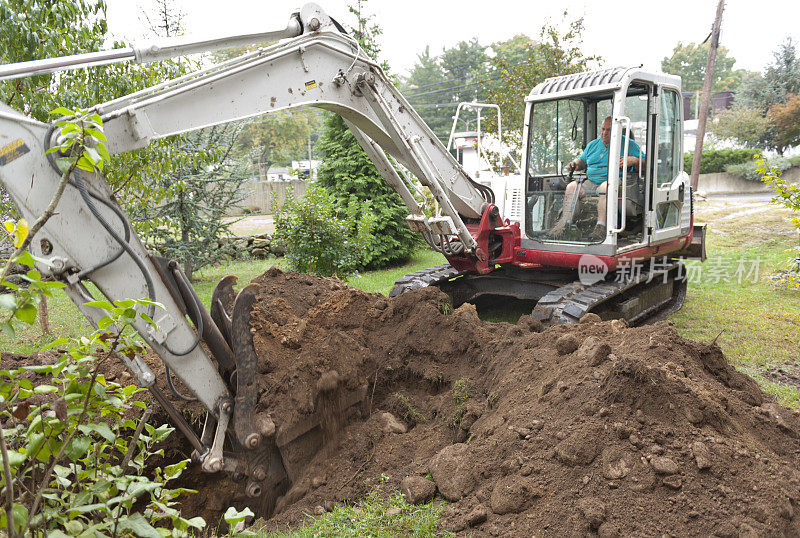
(591, 429)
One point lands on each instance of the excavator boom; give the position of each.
(90, 239)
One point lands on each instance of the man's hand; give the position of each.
(632, 161)
(572, 166)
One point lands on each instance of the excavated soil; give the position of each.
(596, 428)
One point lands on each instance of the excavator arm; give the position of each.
(90, 239)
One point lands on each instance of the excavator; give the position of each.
(314, 62)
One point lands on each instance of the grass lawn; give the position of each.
(760, 320)
(369, 518)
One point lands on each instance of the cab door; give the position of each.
(669, 190)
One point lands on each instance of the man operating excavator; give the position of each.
(594, 160)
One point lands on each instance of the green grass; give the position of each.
(760, 321)
(368, 518)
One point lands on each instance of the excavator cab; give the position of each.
(605, 208)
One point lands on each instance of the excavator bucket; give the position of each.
(273, 455)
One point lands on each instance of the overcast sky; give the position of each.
(623, 32)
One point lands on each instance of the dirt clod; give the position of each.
(664, 465)
(452, 470)
(566, 343)
(391, 424)
(511, 495)
(417, 489)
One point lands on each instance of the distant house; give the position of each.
(304, 171)
(280, 173)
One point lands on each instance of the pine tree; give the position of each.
(201, 187)
(349, 176)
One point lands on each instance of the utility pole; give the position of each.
(701, 120)
(309, 157)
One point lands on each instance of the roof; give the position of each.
(591, 81)
(587, 79)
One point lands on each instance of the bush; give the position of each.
(75, 460)
(350, 177)
(317, 239)
(753, 170)
(716, 161)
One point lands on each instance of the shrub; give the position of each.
(716, 161)
(319, 240)
(75, 460)
(752, 171)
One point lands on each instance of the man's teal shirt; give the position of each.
(595, 156)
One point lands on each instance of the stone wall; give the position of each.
(724, 183)
(259, 246)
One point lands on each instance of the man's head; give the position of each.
(605, 131)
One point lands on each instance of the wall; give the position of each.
(258, 194)
(724, 183)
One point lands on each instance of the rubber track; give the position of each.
(567, 304)
(423, 278)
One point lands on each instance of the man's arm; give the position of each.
(577, 164)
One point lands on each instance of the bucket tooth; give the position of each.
(222, 305)
(244, 354)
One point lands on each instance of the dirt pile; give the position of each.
(594, 428)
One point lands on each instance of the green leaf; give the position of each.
(27, 259)
(83, 497)
(62, 111)
(85, 164)
(103, 429)
(105, 305)
(174, 471)
(19, 513)
(233, 516)
(78, 447)
(44, 389)
(26, 313)
(15, 459)
(8, 330)
(8, 301)
(96, 133)
(137, 524)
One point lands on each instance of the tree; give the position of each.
(462, 64)
(781, 78)
(277, 139)
(784, 122)
(201, 186)
(49, 28)
(744, 124)
(552, 55)
(351, 178)
(689, 62)
(768, 109)
(424, 89)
